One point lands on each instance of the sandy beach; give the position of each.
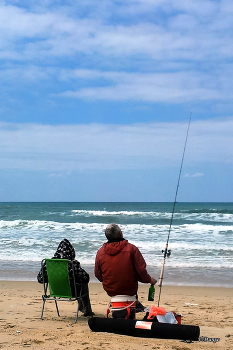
(21, 327)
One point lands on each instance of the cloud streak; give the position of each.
(174, 87)
(63, 148)
(194, 175)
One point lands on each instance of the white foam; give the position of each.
(192, 245)
(213, 216)
(89, 213)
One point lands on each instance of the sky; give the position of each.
(96, 96)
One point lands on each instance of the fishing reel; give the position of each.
(167, 253)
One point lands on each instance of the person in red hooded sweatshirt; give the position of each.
(119, 265)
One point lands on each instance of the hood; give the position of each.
(65, 250)
(113, 248)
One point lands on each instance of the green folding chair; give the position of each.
(59, 283)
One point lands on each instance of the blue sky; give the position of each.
(96, 97)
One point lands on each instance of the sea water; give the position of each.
(201, 237)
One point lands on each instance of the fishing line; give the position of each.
(167, 252)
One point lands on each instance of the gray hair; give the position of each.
(112, 232)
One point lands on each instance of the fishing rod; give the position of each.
(167, 252)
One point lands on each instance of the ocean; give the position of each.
(201, 238)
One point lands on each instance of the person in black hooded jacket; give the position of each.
(65, 250)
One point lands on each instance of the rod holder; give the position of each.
(167, 253)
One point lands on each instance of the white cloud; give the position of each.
(65, 148)
(155, 51)
(189, 30)
(62, 175)
(174, 87)
(194, 175)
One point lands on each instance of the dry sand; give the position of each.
(21, 327)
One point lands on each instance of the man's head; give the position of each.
(113, 232)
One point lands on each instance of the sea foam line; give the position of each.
(217, 217)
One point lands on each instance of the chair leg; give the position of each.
(76, 317)
(42, 310)
(56, 307)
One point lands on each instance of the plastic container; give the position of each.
(124, 303)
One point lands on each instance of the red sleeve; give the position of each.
(140, 266)
(98, 273)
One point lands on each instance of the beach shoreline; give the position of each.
(210, 308)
